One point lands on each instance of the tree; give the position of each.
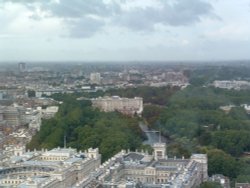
(152, 113)
(210, 185)
(221, 163)
(86, 127)
(31, 93)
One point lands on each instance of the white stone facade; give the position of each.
(129, 106)
(231, 84)
(139, 169)
(59, 167)
(65, 167)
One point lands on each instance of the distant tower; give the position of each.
(21, 67)
(159, 150)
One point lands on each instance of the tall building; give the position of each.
(129, 106)
(21, 67)
(14, 115)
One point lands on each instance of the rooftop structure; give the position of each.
(65, 167)
(128, 106)
(49, 111)
(59, 167)
(132, 169)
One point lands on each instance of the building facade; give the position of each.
(129, 106)
(157, 170)
(59, 167)
(13, 115)
(65, 167)
(139, 169)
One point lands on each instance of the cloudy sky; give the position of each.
(124, 30)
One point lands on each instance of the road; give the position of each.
(152, 137)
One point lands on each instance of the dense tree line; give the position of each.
(210, 185)
(86, 127)
(194, 123)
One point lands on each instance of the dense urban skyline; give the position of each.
(113, 30)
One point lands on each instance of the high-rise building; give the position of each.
(14, 115)
(21, 67)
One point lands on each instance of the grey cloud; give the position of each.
(139, 19)
(181, 12)
(187, 12)
(35, 17)
(77, 16)
(74, 14)
(77, 8)
(84, 28)
(21, 1)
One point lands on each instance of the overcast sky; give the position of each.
(124, 30)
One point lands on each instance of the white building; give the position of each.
(48, 92)
(33, 118)
(234, 84)
(48, 112)
(65, 167)
(128, 106)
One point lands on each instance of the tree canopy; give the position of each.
(86, 127)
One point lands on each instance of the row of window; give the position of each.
(148, 180)
(147, 172)
(25, 169)
(53, 158)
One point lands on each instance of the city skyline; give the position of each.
(124, 30)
